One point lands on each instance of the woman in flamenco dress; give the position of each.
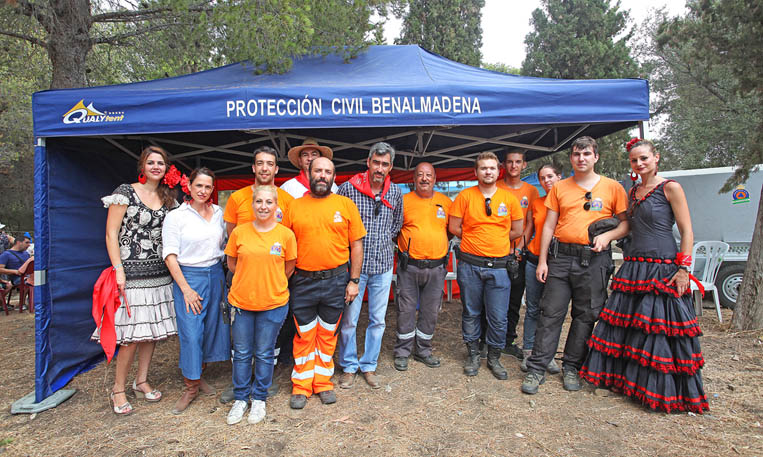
(646, 343)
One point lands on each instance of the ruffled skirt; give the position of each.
(152, 316)
(646, 343)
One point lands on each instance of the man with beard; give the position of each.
(329, 233)
(422, 260)
(381, 207)
(238, 210)
(300, 157)
(485, 217)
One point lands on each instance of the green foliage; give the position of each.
(712, 83)
(450, 28)
(583, 39)
(501, 67)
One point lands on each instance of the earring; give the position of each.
(142, 178)
(634, 176)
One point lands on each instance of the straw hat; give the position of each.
(308, 143)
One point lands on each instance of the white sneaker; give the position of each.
(237, 412)
(257, 413)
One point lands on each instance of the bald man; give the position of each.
(422, 266)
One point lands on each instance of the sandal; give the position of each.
(151, 397)
(122, 410)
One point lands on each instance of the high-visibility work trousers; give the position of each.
(317, 305)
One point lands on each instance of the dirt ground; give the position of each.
(422, 411)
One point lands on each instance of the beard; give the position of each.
(320, 187)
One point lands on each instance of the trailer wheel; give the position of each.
(728, 283)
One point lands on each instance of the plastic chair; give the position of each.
(713, 252)
(25, 287)
(4, 298)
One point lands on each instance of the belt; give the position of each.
(577, 249)
(479, 261)
(426, 263)
(532, 258)
(323, 274)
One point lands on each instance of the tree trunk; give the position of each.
(69, 42)
(748, 312)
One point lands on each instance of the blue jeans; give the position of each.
(204, 337)
(485, 289)
(254, 335)
(378, 296)
(533, 292)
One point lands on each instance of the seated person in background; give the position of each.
(14, 258)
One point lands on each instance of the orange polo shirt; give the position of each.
(239, 209)
(567, 198)
(260, 281)
(424, 234)
(324, 227)
(526, 194)
(539, 209)
(484, 235)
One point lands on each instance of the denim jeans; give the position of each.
(485, 289)
(254, 335)
(533, 292)
(203, 337)
(378, 296)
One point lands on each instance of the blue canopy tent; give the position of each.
(428, 107)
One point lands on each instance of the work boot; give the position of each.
(532, 381)
(494, 363)
(189, 393)
(571, 380)
(527, 353)
(472, 361)
(206, 389)
(401, 363)
(513, 350)
(553, 368)
(228, 395)
(483, 350)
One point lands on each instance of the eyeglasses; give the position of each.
(488, 209)
(587, 204)
(377, 205)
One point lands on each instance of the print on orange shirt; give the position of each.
(484, 235)
(324, 228)
(424, 234)
(239, 210)
(568, 199)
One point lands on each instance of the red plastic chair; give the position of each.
(3, 297)
(25, 287)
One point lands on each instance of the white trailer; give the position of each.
(728, 217)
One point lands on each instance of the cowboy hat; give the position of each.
(308, 143)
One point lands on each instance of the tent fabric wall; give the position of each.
(89, 140)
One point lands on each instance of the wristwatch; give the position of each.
(355, 280)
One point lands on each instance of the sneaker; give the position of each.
(553, 367)
(571, 379)
(513, 350)
(327, 397)
(430, 360)
(228, 395)
(401, 363)
(297, 401)
(237, 412)
(532, 382)
(257, 413)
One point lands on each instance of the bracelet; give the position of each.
(116, 267)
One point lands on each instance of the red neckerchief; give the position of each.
(363, 184)
(302, 179)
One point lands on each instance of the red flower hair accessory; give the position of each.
(172, 177)
(630, 144)
(184, 182)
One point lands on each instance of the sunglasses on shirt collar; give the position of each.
(587, 204)
(488, 209)
(377, 204)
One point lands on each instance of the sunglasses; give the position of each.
(377, 205)
(587, 204)
(488, 209)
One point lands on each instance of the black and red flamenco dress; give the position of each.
(646, 343)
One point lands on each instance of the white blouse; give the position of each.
(196, 241)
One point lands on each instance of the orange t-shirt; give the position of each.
(484, 235)
(539, 209)
(260, 281)
(526, 195)
(239, 210)
(425, 226)
(567, 198)
(324, 227)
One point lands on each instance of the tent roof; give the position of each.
(428, 107)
